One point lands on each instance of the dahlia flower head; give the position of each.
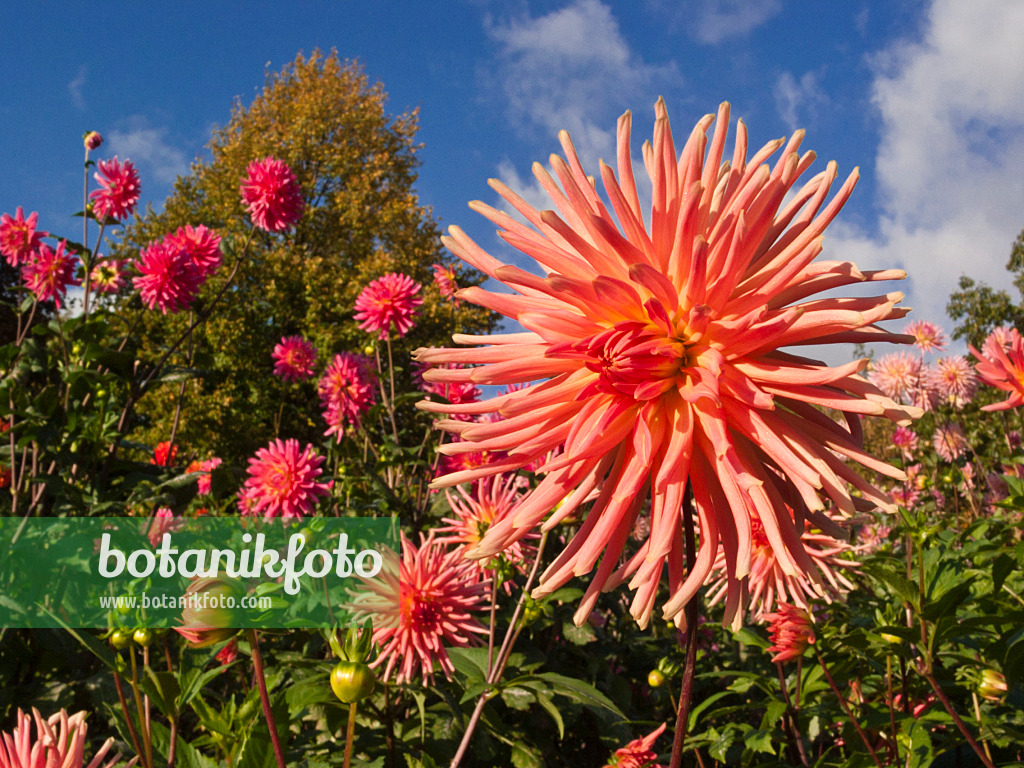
(1001, 365)
(19, 238)
(347, 390)
(639, 753)
(294, 358)
(445, 280)
(791, 632)
(168, 279)
(108, 276)
(928, 337)
(388, 304)
(420, 606)
(272, 195)
(653, 353)
(283, 480)
(58, 741)
(49, 273)
(119, 189)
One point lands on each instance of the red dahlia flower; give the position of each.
(119, 189)
(657, 346)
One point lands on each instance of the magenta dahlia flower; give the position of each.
(19, 238)
(283, 480)
(1002, 366)
(653, 354)
(346, 391)
(294, 358)
(119, 189)
(169, 279)
(421, 607)
(202, 246)
(58, 741)
(388, 303)
(49, 273)
(272, 195)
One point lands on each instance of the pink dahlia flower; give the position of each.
(169, 279)
(204, 483)
(476, 510)
(388, 303)
(119, 189)
(906, 440)
(346, 392)
(657, 347)
(950, 442)
(897, 374)
(445, 280)
(769, 584)
(272, 195)
(19, 238)
(283, 480)
(92, 140)
(108, 276)
(1002, 367)
(791, 632)
(928, 337)
(294, 358)
(202, 246)
(49, 273)
(163, 521)
(954, 379)
(422, 606)
(58, 742)
(639, 753)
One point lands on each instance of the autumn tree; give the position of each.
(357, 166)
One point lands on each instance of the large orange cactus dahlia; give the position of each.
(653, 352)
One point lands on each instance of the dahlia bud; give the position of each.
(211, 609)
(92, 140)
(993, 686)
(791, 632)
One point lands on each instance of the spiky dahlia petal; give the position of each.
(651, 362)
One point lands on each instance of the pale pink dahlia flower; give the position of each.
(283, 480)
(346, 391)
(639, 753)
(294, 358)
(119, 189)
(954, 379)
(659, 344)
(897, 374)
(928, 337)
(791, 632)
(1002, 367)
(388, 303)
(272, 195)
(108, 276)
(422, 606)
(49, 273)
(950, 442)
(58, 742)
(169, 280)
(19, 238)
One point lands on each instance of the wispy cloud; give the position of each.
(150, 148)
(950, 162)
(571, 69)
(75, 88)
(715, 21)
(799, 101)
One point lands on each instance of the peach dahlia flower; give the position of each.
(652, 349)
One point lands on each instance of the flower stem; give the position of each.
(128, 718)
(147, 743)
(261, 681)
(692, 613)
(350, 734)
(846, 709)
(930, 677)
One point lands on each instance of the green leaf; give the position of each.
(163, 689)
(580, 692)
(552, 710)
(471, 662)
(720, 747)
(578, 635)
(760, 740)
(525, 757)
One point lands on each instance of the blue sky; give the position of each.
(925, 97)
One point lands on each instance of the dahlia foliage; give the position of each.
(653, 356)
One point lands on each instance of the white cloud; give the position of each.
(798, 101)
(150, 149)
(950, 163)
(718, 20)
(75, 88)
(572, 69)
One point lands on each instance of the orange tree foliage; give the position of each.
(357, 166)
